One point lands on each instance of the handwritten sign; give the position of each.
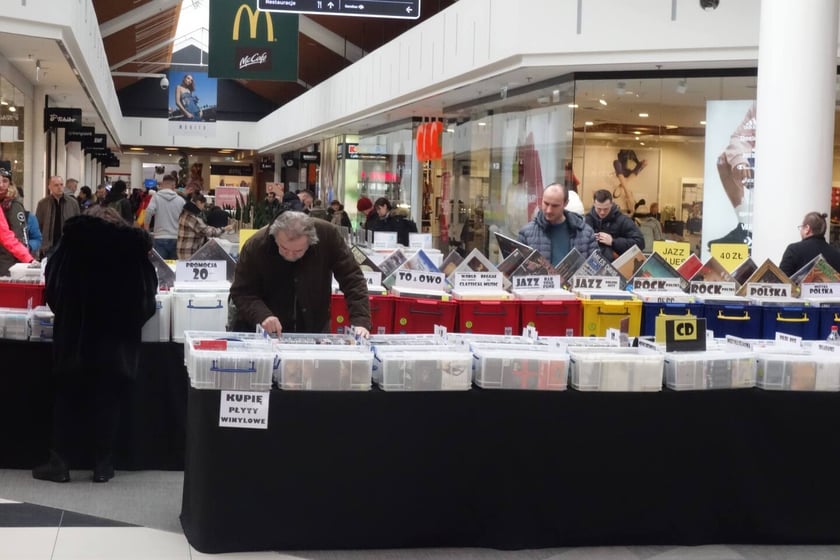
(201, 271)
(478, 280)
(675, 253)
(539, 282)
(420, 279)
(730, 255)
(244, 409)
(596, 283)
(420, 240)
(761, 289)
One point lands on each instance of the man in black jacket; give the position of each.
(614, 231)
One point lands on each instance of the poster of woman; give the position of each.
(192, 103)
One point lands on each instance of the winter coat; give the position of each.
(101, 297)
(16, 220)
(255, 294)
(45, 212)
(535, 234)
(17, 250)
(397, 220)
(165, 207)
(621, 227)
(800, 253)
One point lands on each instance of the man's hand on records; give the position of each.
(272, 325)
(361, 332)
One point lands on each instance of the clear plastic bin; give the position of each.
(230, 361)
(798, 372)
(512, 368)
(41, 323)
(159, 326)
(618, 369)
(714, 369)
(14, 324)
(335, 370)
(423, 371)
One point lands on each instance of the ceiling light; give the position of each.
(3, 102)
(588, 123)
(12, 108)
(637, 132)
(641, 143)
(481, 123)
(572, 105)
(703, 123)
(603, 101)
(620, 88)
(671, 126)
(682, 86)
(171, 149)
(136, 149)
(643, 115)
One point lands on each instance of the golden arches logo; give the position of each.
(253, 21)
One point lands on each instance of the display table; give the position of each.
(152, 423)
(514, 469)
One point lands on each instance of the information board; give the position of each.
(399, 9)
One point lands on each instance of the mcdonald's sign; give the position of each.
(252, 44)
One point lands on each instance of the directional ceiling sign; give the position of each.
(401, 9)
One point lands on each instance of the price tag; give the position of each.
(385, 239)
(478, 280)
(675, 253)
(420, 240)
(760, 289)
(540, 282)
(784, 339)
(201, 271)
(657, 284)
(243, 409)
(730, 255)
(820, 290)
(420, 279)
(713, 288)
(372, 278)
(596, 283)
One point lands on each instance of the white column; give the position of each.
(60, 153)
(136, 172)
(35, 181)
(75, 168)
(797, 61)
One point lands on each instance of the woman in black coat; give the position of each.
(812, 230)
(101, 287)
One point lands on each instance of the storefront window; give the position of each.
(11, 130)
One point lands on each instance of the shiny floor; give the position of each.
(135, 516)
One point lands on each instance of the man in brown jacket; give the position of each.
(52, 211)
(284, 273)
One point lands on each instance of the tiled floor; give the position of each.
(135, 517)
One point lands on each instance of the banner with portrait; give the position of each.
(192, 103)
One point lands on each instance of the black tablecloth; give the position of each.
(514, 469)
(152, 423)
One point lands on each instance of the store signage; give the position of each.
(538, 282)
(657, 284)
(251, 44)
(764, 290)
(201, 271)
(819, 290)
(478, 280)
(353, 151)
(685, 334)
(596, 283)
(79, 134)
(310, 157)
(396, 9)
(61, 117)
(267, 164)
(420, 240)
(713, 288)
(243, 409)
(674, 253)
(420, 279)
(235, 170)
(730, 255)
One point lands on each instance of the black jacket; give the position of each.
(800, 253)
(623, 230)
(397, 220)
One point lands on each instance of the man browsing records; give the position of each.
(554, 230)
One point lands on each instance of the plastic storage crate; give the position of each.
(652, 310)
(513, 368)
(14, 324)
(602, 314)
(828, 315)
(333, 370)
(18, 294)
(420, 316)
(415, 370)
(618, 369)
(488, 316)
(713, 369)
(738, 318)
(552, 318)
(798, 372)
(41, 323)
(230, 361)
(798, 320)
(381, 314)
(159, 326)
(199, 307)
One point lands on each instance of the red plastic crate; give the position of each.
(16, 294)
(489, 317)
(419, 316)
(552, 318)
(381, 314)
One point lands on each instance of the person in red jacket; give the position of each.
(11, 243)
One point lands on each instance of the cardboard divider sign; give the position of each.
(420, 279)
(478, 280)
(675, 253)
(244, 409)
(686, 334)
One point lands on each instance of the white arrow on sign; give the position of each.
(330, 5)
(361, 6)
(408, 10)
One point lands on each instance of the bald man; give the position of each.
(52, 211)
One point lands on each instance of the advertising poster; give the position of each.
(729, 164)
(192, 104)
(629, 172)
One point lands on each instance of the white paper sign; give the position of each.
(540, 282)
(244, 409)
(820, 290)
(713, 288)
(784, 339)
(201, 271)
(760, 289)
(372, 278)
(420, 240)
(596, 283)
(385, 239)
(420, 279)
(657, 284)
(478, 280)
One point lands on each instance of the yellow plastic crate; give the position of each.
(602, 314)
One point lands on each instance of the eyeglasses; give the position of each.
(801, 226)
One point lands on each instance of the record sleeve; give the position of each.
(508, 245)
(691, 266)
(657, 267)
(817, 271)
(767, 273)
(451, 262)
(712, 271)
(629, 262)
(365, 261)
(743, 271)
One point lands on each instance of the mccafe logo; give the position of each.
(253, 21)
(257, 58)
